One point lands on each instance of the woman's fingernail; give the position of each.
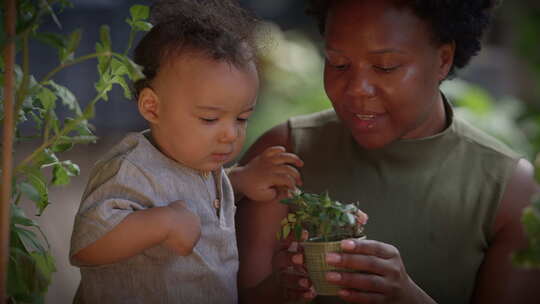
(309, 295)
(333, 276)
(333, 258)
(344, 293)
(298, 259)
(347, 244)
(293, 247)
(304, 283)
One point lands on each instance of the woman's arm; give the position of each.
(499, 281)
(257, 224)
(173, 225)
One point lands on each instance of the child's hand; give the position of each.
(184, 229)
(266, 176)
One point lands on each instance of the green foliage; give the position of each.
(324, 219)
(292, 75)
(30, 261)
(499, 118)
(530, 257)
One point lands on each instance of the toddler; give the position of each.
(156, 221)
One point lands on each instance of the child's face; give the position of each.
(200, 111)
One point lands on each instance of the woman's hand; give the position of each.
(290, 272)
(266, 174)
(381, 276)
(184, 229)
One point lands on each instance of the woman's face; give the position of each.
(382, 72)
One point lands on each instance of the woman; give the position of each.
(444, 199)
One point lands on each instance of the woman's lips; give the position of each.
(367, 122)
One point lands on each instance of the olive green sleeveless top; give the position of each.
(433, 198)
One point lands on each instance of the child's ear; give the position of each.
(148, 103)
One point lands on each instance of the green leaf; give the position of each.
(298, 231)
(46, 158)
(60, 175)
(103, 86)
(47, 98)
(537, 165)
(125, 87)
(30, 191)
(117, 67)
(105, 37)
(531, 223)
(68, 53)
(286, 231)
(28, 238)
(142, 26)
(103, 60)
(29, 275)
(19, 218)
(530, 257)
(53, 14)
(37, 181)
(291, 217)
(52, 39)
(133, 70)
(68, 99)
(62, 147)
(350, 219)
(139, 12)
(83, 139)
(72, 169)
(45, 264)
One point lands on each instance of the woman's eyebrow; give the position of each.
(387, 50)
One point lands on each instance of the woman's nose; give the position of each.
(360, 85)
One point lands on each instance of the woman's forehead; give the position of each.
(378, 22)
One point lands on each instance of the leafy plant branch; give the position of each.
(30, 262)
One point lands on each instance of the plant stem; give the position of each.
(67, 128)
(70, 63)
(130, 41)
(7, 143)
(23, 88)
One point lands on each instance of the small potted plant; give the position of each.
(327, 223)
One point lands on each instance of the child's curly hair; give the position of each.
(219, 29)
(459, 21)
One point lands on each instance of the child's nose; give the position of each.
(229, 134)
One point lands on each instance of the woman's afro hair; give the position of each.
(459, 21)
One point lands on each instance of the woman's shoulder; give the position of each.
(314, 120)
(282, 134)
(480, 140)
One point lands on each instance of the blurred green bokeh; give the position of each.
(292, 69)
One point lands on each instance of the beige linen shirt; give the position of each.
(135, 176)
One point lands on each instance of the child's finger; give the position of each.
(289, 170)
(283, 180)
(361, 217)
(272, 151)
(287, 158)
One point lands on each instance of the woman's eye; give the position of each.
(242, 119)
(387, 69)
(337, 65)
(208, 120)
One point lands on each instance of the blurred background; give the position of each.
(499, 92)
